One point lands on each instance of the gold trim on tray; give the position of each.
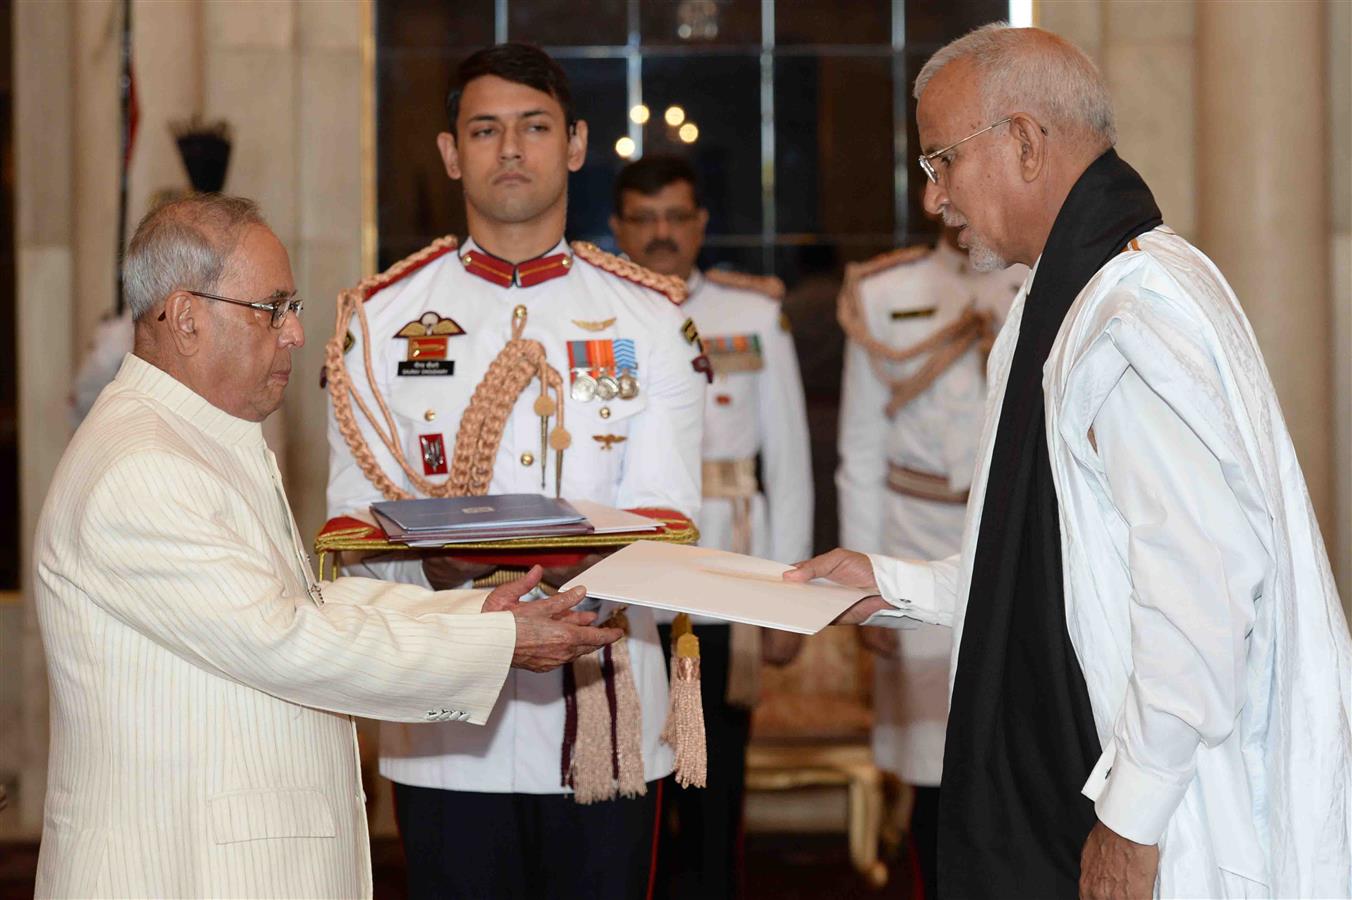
(674, 531)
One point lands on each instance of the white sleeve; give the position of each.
(662, 457)
(862, 472)
(169, 567)
(786, 459)
(1196, 570)
(925, 591)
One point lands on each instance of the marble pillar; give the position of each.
(45, 214)
(1338, 34)
(1263, 202)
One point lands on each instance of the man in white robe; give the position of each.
(1206, 629)
(202, 682)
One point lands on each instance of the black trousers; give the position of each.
(925, 834)
(700, 850)
(467, 845)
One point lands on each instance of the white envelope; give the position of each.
(716, 583)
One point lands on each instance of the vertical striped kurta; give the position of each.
(201, 682)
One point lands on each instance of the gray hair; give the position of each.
(183, 245)
(1035, 71)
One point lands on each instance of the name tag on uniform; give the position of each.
(427, 367)
(922, 313)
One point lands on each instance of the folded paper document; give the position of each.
(708, 582)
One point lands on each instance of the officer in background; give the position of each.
(515, 362)
(918, 323)
(757, 488)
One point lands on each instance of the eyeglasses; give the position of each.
(925, 158)
(673, 218)
(278, 308)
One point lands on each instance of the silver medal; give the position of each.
(584, 387)
(607, 387)
(628, 386)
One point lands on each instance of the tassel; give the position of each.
(627, 724)
(684, 731)
(680, 627)
(603, 739)
(591, 771)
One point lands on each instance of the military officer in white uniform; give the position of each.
(917, 322)
(757, 485)
(485, 811)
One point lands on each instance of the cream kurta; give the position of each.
(201, 686)
(1198, 593)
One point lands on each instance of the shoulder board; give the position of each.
(673, 287)
(369, 287)
(889, 260)
(767, 285)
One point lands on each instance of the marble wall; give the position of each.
(1338, 35)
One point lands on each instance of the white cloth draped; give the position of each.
(1198, 592)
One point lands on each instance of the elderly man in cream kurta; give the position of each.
(202, 683)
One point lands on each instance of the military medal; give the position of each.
(584, 386)
(626, 365)
(607, 387)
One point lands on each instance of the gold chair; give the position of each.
(811, 729)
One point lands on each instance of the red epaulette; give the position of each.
(673, 287)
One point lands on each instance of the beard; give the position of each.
(980, 254)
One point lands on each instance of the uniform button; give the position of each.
(430, 415)
(605, 412)
(528, 459)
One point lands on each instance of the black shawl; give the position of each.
(1021, 738)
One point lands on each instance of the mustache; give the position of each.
(657, 244)
(952, 219)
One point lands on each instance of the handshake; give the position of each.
(549, 632)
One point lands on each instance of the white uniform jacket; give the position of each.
(755, 412)
(935, 433)
(625, 453)
(201, 686)
(1198, 592)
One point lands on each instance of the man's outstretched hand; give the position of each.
(549, 631)
(845, 567)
